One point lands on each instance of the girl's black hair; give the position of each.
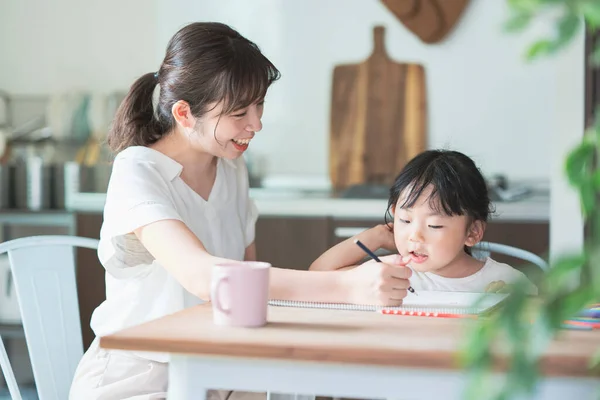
(458, 187)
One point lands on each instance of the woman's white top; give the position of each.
(145, 186)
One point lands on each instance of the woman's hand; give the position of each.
(378, 283)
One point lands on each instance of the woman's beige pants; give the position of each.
(110, 375)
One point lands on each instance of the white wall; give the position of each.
(52, 46)
(566, 229)
(483, 99)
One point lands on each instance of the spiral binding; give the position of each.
(364, 307)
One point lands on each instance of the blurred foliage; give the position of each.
(526, 325)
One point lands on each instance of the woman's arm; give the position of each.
(250, 253)
(348, 254)
(179, 251)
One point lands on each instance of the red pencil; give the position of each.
(424, 314)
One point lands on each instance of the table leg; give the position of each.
(289, 396)
(185, 382)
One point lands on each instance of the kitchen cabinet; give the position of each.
(292, 242)
(530, 236)
(90, 274)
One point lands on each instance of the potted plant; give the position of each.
(527, 325)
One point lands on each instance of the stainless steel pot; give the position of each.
(33, 184)
(6, 187)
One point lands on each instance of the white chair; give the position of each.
(43, 269)
(11, 382)
(483, 249)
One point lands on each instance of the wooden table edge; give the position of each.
(569, 366)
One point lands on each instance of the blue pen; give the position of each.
(374, 257)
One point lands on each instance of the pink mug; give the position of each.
(239, 293)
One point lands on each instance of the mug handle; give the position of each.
(214, 295)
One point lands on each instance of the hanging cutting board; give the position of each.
(430, 20)
(378, 118)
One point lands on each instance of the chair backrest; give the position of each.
(43, 269)
(483, 249)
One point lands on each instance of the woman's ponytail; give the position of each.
(135, 123)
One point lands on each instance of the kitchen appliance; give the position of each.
(32, 184)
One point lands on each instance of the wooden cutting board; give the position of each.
(378, 118)
(430, 20)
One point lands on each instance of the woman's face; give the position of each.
(227, 135)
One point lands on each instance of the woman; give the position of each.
(178, 202)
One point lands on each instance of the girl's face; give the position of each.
(433, 241)
(226, 135)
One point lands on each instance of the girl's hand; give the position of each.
(386, 237)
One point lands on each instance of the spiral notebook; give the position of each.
(459, 303)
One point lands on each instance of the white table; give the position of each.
(338, 353)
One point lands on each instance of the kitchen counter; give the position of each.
(293, 198)
(299, 203)
(533, 208)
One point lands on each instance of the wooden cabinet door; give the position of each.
(534, 237)
(90, 275)
(289, 242)
(346, 228)
(342, 229)
(530, 236)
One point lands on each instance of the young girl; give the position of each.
(440, 206)
(178, 202)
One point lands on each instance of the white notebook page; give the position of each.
(425, 301)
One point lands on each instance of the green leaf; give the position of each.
(480, 381)
(595, 240)
(562, 270)
(596, 179)
(517, 22)
(525, 5)
(578, 161)
(541, 47)
(477, 350)
(567, 27)
(594, 271)
(574, 302)
(595, 361)
(591, 13)
(542, 331)
(587, 193)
